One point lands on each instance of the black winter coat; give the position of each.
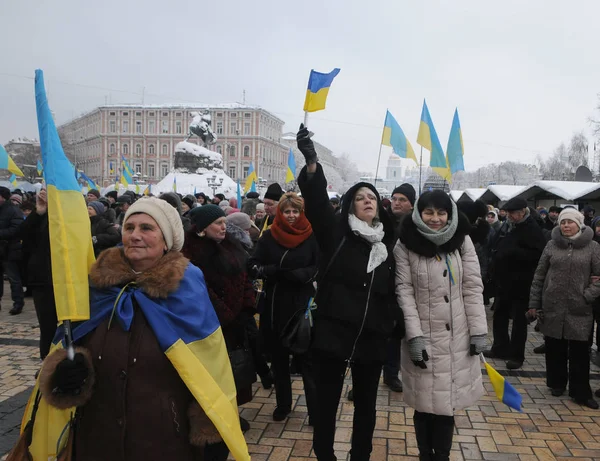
(36, 249)
(356, 311)
(11, 219)
(289, 281)
(516, 260)
(106, 234)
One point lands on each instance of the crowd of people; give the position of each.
(400, 287)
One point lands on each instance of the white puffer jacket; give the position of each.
(446, 316)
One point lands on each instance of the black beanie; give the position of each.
(204, 216)
(408, 191)
(95, 192)
(252, 195)
(189, 200)
(274, 192)
(113, 194)
(5, 193)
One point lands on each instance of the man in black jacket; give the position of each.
(515, 263)
(11, 218)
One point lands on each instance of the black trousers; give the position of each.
(329, 378)
(216, 452)
(12, 270)
(45, 308)
(283, 382)
(434, 435)
(513, 346)
(569, 362)
(391, 368)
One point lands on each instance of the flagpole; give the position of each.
(305, 117)
(380, 144)
(420, 168)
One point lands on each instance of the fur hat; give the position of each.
(97, 206)
(241, 220)
(573, 215)
(95, 192)
(408, 191)
(166, 217)
(113, 194)
(204, 216)
(274, 192)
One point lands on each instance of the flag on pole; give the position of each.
(455, 151)
(7, 163)
(174, 183)
(111, 170)
(394, 137)
(195, 190)
(239, 195)
(291, 167)
(253, 187)
(428, 138)
(40, 168)
(250, 179)
(505, 391)
(13, 180)
(148, 190)
(318, 89)
(126, 173)
(137, 188)
(91, 184)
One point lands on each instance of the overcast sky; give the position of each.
(523, 74)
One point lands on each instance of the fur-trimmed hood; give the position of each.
(112, 269)
(583, 240)
(414, 241)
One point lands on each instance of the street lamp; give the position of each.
(213, 183)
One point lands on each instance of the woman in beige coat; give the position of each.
(439, 287)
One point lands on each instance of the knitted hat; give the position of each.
(166, 217)
(17, 198)
(274, 192)
(204, 216)
(113, 194)
(5, 192)
(554, 209)
(125, 198)
(97, 206)
(189, 200)
(252, 195)
(95, 192)
(241, 220)
(572, 214)
(224, 204)
(408, 191)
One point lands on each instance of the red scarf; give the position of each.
(287, 235)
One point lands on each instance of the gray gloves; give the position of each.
(417, 352)
(478, 344)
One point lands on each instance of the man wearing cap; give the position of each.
(271, 200)
(123, 203)
(92, 195)
(11, 219)
(515, 263)
(552, 218)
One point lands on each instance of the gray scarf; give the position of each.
(438, 238)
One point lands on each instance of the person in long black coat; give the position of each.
(286, 258)
(357, 307)
(104, 234)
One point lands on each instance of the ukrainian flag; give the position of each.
(250, 179)
(291, 168)
(13, 180)
(428, 138)
(318, 89)
(174, 183)
(7, 163)
(394, 137)
(111, 170)
(126, 174)
(40, 168)
(455, 151)
(239, 195)
(505, 392)
(87, 179)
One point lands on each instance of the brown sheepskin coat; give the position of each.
(138, 407)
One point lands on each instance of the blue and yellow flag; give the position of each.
(505, 392)
(91, 184)
(13, 180)
(290, 175)
(7, 163)
(148, 190)
(111, 170)
(126, 173)
(71, 248)
(250, 179)
(318, 89)
(428, 138)
(455, 150)
(394, 137)
(174, 183)
(40, 168)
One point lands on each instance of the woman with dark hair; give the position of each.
(357, 308)
(286, 260)
(439, 287)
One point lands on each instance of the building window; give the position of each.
(125, 114)
(152, 126)
(165, 126)
(138, 149)
(138, 168)
(233, 128)
(232, 151)
(219, 114)
(246, 172)
(233, 115)
(151, 114)
(247, 128)
(138, 126)
(112, 148)
(178, 127)
(219, 150)
(177, 114)
(151, 149)
(125, 148)
(151, 171)
(125, 126)
(165, 114)
(112, 114)
(165, 149)
(219, 127)
(138, 114)
(246, 151)
(112, 126)
(232, 172)
(247, 115)
(164, 169)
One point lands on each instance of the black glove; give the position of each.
(265, 271)
(306, 145)
(70, 375)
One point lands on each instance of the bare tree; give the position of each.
(578, 151)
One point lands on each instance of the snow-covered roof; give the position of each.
(25, 186)
(502, 192)
(569, 190)
(475, 193)
(456, 194)
(190, 105)
(198, 151)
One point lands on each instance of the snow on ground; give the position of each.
(199, 151)
(187, 183)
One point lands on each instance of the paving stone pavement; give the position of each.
(549, 428)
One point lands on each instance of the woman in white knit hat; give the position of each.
(562, 298)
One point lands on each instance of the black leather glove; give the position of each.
(70, 375)
(306, 145)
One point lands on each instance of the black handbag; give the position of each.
(242, 366)
(297, 333)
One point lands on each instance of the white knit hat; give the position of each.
(166, 217)
(573, 215)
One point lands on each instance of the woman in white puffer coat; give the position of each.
(439, 287)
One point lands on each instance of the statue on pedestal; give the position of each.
(200, 127)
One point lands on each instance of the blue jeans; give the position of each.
(12, 271)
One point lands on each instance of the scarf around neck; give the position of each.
(442, 236)
(288, 235)
(373, 235)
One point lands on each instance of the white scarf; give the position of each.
(374, 235)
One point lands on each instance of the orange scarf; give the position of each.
(289, 236)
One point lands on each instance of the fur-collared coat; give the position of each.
(136, 407)
(561, 286)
